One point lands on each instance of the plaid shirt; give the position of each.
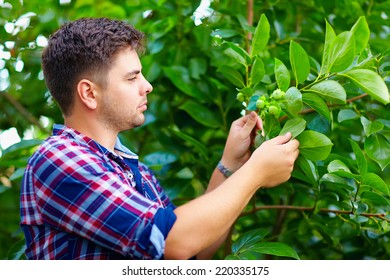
(81, 201)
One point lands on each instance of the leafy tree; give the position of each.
(328, 62)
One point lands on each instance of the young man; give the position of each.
(85, 196)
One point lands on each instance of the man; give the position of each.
(86, 196)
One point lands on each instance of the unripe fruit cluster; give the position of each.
(271, 105)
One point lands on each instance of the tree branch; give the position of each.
(23, 111)
(381, 216)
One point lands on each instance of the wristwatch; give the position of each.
(224, 170)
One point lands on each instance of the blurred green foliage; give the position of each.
(191, 109)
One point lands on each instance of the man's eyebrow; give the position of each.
(132, 73)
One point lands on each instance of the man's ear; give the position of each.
(86, 91)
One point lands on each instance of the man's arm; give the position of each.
(205, 221)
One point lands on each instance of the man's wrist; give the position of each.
(224, 170)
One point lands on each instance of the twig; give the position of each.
(381, 216)
(25, 113)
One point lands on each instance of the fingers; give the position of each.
(251, 121)
(282, 139)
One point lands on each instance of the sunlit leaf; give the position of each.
(294, 100)
(282, 75)
(261, 36)
(373, 181)
(377, 148)
(374, 198)
(337, 165)
(314, 145)
(342, 52)
(371, 83)
(331, 91)
(238, 54)
(371, 127)
(275, 249)
(361, 33)
(346, 114)
(317, 104)
(300, 63)
(257, 71)
(330, 35)
(296, 126)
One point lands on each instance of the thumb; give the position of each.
(250, 123)
(282, 139)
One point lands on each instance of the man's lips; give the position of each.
(143, 106)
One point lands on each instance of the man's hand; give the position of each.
(274, 160)
(241, 137)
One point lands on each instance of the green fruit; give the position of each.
(277, 94)
(240, 97)
(260, 104)
(274, 110)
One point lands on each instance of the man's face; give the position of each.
(124, 99)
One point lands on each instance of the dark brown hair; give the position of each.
(84, 48)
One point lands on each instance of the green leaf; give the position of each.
(17, 148)
(360, 158)
(232, 258)
(248, 239)
(300, 63)
(198, 67)
(377, 148)
(337, 165)
(199, 146)
(374, 198)
(314, 145)
(361, 33)
(238, 54)
(257, 71)
(179, 76)
(317, 104)
(159, 158)
(232, 75)
(296, 126)
(18, 174)
(282, 75)
(370, 82)
(308, 169)
(371, 127)
(275, 249)
(342, 52)
(225, 33)
(261, 36)
(201, 114)
(375, 182)
(4, 188)
(252, 103)
(271, 126)
(330, 36)
(331, 91)
(294, 100)
(346, 115)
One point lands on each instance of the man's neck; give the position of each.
(99, 133)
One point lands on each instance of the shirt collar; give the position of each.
(60, 129)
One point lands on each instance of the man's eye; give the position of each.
(132, 79)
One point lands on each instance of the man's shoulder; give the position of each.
(58, 146)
